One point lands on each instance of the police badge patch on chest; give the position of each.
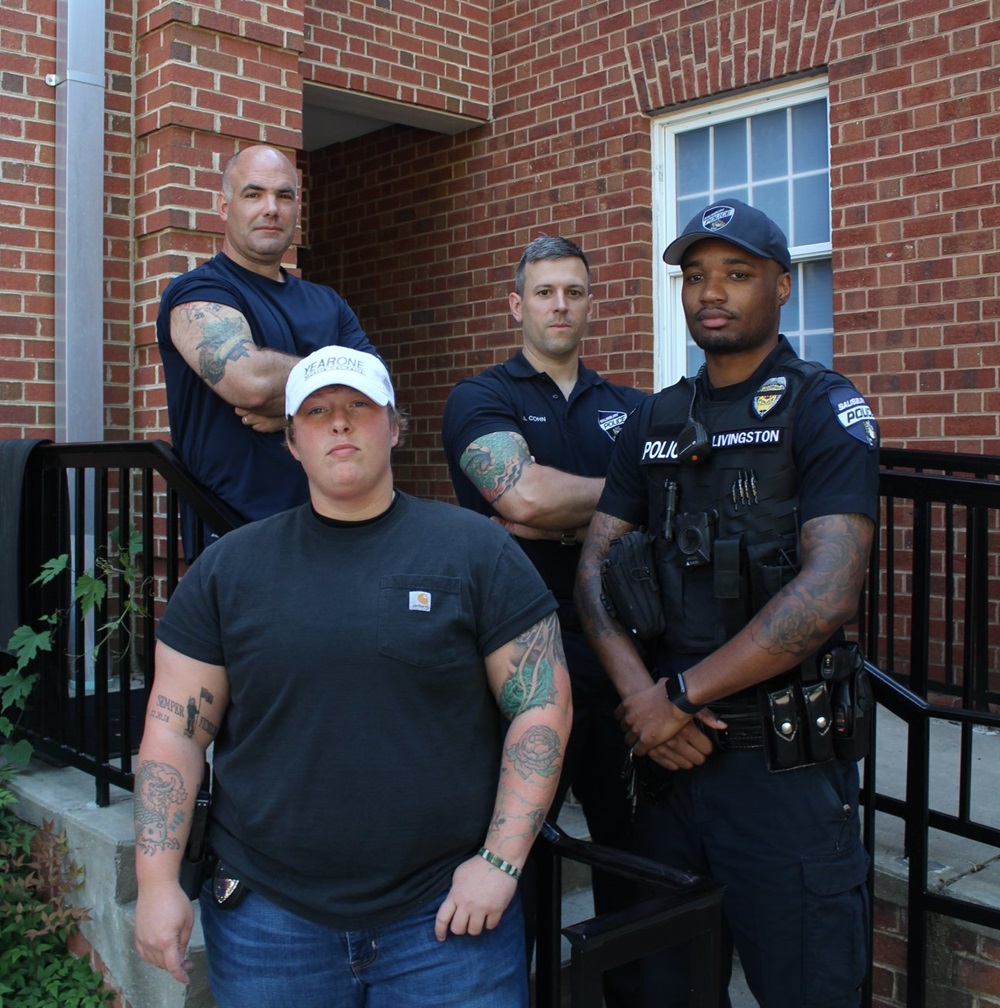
(769, 395)
(610, 421)
(854, 414)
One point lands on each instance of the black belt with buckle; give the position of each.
(745, 731)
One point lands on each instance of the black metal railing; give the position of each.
(934, 582)
(84, 500)
(920, 814)
(689, 910)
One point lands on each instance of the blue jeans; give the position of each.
(265, 957)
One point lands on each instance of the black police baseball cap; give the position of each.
(733, 221)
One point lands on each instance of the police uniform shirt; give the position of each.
(575, 435)
(835, 446)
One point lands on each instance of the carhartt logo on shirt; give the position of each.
(420, 601)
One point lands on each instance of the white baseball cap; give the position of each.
(336, 365)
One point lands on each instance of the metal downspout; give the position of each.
(79, 260)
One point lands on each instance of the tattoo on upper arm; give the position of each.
(835, 552)
(159, 790)
(223, 338)
(539, 751)
(532, 680)
(194, 716)
(495, 462)
(191, 714)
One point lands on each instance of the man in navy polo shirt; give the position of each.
(528, 442)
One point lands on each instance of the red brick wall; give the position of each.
(963, 960)
(27, 218)
(915, 110)
(435, 55)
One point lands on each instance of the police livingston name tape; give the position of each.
(726, 439)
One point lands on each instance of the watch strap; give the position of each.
(677, 694)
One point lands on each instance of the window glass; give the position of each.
(730, 157)
(770, 145)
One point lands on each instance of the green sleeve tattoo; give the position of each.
(494, 463)
(532, 681)
(159, 790)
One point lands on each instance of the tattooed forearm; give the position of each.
(825, 594)
(159, 791)
(531, 683)
(538, 753)
(525, 825)
(593, 613)
(496, 462)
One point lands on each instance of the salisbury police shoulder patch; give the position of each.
(611, 421)
(769, 395)
(854, 414)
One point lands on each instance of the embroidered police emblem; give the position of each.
(611, 422)
(769, 395)
(854, 414)
(715, 218)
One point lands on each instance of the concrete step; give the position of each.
(103, 840)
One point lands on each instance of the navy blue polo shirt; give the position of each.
(576, 435)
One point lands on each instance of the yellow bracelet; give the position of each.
(498, 862)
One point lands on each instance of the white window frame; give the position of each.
(669, 327)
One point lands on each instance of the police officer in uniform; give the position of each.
(757, 484)
(529, 442)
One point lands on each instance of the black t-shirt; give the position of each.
(358, 761)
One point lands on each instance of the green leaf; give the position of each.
(25, 643)
(16, 753)
(89, 591)
(52, 569)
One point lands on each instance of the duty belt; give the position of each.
(745, 728)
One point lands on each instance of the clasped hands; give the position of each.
(654, 727)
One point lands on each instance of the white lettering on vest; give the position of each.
(737, 439)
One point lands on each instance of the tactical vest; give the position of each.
(725, 512)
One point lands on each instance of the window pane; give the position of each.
(687, 208)
(812, 210)
(730, 155)
(810, 137)
(770, 145)
(773, 200)
(807, 317)
(692, 162)
(695, 359)
(817, 282)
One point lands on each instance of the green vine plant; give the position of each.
(36, 872)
